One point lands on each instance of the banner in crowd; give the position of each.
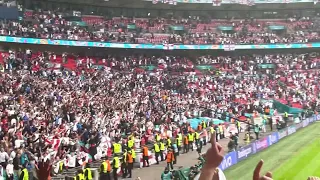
(10, 39)
(229, 160)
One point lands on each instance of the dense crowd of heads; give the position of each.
(55, 25)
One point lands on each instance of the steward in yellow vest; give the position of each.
(158, 137)
(88, 172)
(162, 149)
(80, 175)
(117, 148)
(204, 125)
(115, 167)
(130, 143)
(157, 152)
(105, 169)
(24, 175)
(197, 137)
(133, 153)
(168, 143)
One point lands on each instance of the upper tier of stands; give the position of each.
(54, 25)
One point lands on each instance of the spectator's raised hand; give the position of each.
(257, 170)
(213, 157)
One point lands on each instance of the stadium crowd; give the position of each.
(193, 30)
(55, 106)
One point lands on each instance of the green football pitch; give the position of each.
(293, 158)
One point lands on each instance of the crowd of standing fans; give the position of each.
(54, 106)
(192, 30)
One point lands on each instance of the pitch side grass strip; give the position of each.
(277, 155)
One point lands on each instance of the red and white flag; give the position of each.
(216, 2)
(168, 46)
(54, 142)
(154, 1)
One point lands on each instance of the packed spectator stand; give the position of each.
(57, 25)
(56, 106)
(42, 86)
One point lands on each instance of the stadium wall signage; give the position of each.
(234, 157)
(298, 126)
(229, 160)
(273, 138)
(291, 129)
(10, 39)
(282, 133)
(246, 151)
(262, 144)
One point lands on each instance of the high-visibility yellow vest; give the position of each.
(197, 136)
(25, 174)
(162, 147)
(116, 162)
(169, 142)
(247, 138)
(204, 125)
(117, 148)
(131, 137)
(179, 140)
(212, 130)
(130, 143)
(61, 166)
(105, 167)
(89, 177)
(125, 157)
(156, 148)
(158, 137)
(220, 129)
(190, 137)
(81, 177)
(133, 153)
(286, 114)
